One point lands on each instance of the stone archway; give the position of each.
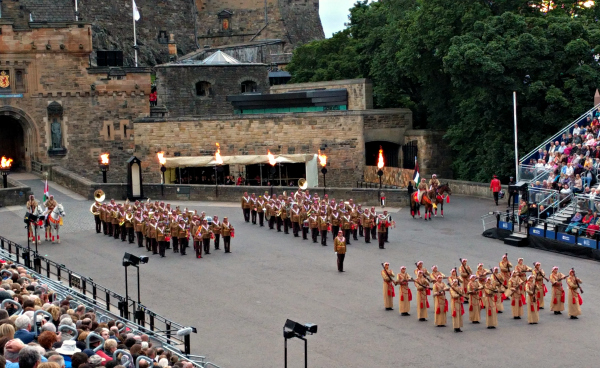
(18, 138)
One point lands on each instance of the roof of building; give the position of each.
(218, 58)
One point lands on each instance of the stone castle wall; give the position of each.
(176, 86)
(97, 110)
(340, 132)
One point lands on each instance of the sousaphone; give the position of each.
(99, 195)
(302, 184)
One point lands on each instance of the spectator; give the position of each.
(67, 350)
(23, 328)
(577, 185)
(77, 359)
(575, 221)
(495, 187)
(523, 211)
(562, 147)
(553, 147)
(12, 349)
(29, 357)
(7, 330)
(57, 359)
(48, 365)
(46, 339)
(576, 129)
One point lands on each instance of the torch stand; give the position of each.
(4, 177)
(380, 174)
(324, 171)
(104, 169)
(162, 187)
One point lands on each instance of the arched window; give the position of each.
(249, 86)
(203, 88)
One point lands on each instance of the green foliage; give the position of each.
(456, 63)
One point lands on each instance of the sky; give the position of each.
(334, 13)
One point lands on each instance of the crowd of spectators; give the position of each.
(568, 166)
(21, 347)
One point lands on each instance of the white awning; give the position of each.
(205, 161)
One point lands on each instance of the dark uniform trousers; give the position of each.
(286, 226)
(109, 228)
(314, 232)
(271, 222)
(198, 249)
(381, 240)
(123, 233)
(261, 218)
(183, 243)
(175, 245)
(154, 246)
(295, 229)
(324, 237)
(334, 231)
(374, 232)
(347, 235)
(98, 223)
(340, 262)
(367, 235)
(279, 223)
(130, 235)
(227, 243)
(148, 243)
(116, 231)
(246, 214)
(217, 238)
(304, 232)
(162, 245)
(140, 239)
(253, 213)
(360, 230)
(105, 227)
(206, 244)
(354, 234)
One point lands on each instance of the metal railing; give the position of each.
(557, 136)
(527, 172)
(62, 291)
(152, 323)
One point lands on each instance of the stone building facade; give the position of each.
(58, 110)
(188, 89)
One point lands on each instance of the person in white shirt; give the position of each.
(576, 129)
(553, 147)
(569, 170)
(562, 147)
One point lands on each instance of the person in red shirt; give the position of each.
(495, 186)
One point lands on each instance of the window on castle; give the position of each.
(19, 80)
(203, 89)
(249, 87)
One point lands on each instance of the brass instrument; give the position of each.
(95, 213)
(302, 184)
(99, 195)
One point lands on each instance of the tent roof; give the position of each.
(205, 161)
(219, 58)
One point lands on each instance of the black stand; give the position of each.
(305, 351)
(324, 171)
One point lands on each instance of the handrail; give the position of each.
(89, 337)
(560, 133)
(35, 322)
(13, 302)
(142, 357)
(72, 329)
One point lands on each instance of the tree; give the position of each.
(456, 63)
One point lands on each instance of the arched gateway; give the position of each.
(18, 137)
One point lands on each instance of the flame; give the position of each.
(161, 158)
(218, 155)
(104, 159)
(380, 163)
(588, 4)
(6, 163)
(322, 159)
(271, 158)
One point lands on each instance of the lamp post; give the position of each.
(162, 160)
(272, 162)
(104, 163)
(380, 166)
(131, 260)
(5, 165)
(323, 163)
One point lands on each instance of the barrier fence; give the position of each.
(149, 322)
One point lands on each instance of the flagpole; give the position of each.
(516, 147)
(134, 35)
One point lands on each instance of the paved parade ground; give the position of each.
(240, 301)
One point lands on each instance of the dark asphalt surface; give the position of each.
(240, 301)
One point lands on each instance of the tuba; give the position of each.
(99, 195)
(302, 184)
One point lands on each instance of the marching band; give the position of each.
(486, 290)
(157, 226)
(306, 213)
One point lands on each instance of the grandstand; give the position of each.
(559, 179)
(107, 306)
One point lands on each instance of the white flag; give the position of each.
(136, 13)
